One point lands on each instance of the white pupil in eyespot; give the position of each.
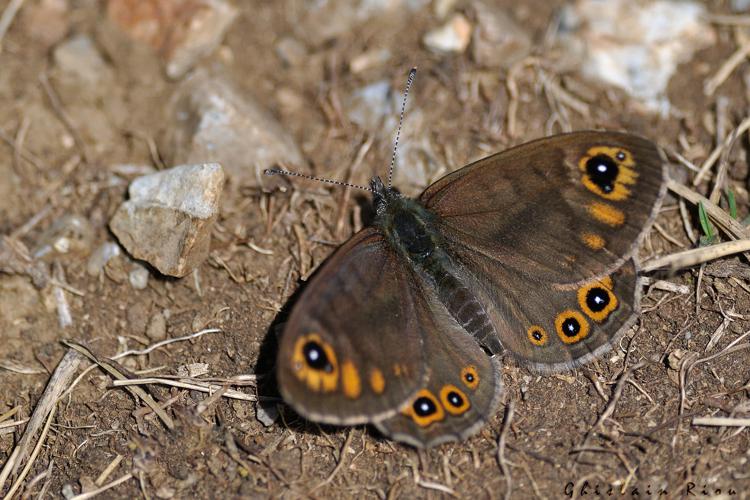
(601, 168)
(598, 299)
(424, 407)
(313, 355)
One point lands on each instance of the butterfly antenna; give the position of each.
(279, 171)
(412, 74)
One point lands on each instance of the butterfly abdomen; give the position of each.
(467, 310)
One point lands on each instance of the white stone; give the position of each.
(635, 47)
(168, 219)
(453, 36)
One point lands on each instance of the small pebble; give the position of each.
(453, 36)
(138, 277)
(266, 412)
(157, 327)
(79, 58)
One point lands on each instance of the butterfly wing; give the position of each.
(565, 209)
(547, 328)
(462, 390)
(351, 351)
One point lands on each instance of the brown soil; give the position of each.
(218, 447)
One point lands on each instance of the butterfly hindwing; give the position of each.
(462, 390)
(549, 328)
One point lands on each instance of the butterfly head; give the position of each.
(383, 196)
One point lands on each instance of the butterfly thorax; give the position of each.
(411, 230)
(407, 225)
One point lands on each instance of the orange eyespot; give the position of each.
(470, 377)
(571, 326)
(454, 401)
(537, 335)
(314, 363)
(608, 171)
(597, 300)
(424, 409)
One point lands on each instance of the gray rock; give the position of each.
(266, 412)
(291, 51)
(213, 121)
(497, 39)
(204, 33)
(168, 219)
(78, 57)
(368, 106)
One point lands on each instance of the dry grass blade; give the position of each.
(501, 449)
(719, 216)
(721, 421)
(8, 466)
(137, 391)
(98, 491)
(729, 19)
(8, 414)
(58, 382)
(7, 18)
(716, 153)
(208, 388)
(726, 69)
(108, 470)
(33, 456)
(152, 347)
(339, 464)
(13, 423)
(689, 258)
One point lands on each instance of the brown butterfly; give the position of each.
(529, 253)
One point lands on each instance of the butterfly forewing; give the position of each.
(351, 351)
(563, 209)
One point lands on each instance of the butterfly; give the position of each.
(527, 254)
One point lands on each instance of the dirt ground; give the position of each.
(623, 426)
